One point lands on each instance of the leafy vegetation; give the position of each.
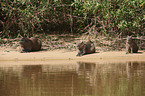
(97, 17)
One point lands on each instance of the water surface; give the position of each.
(79, 79)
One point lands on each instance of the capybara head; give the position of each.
(80, 45)
(129, 39)
(24, 41)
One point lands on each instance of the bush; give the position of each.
(105, 17)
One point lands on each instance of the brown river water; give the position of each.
(78, 79)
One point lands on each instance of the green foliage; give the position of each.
(110, 17)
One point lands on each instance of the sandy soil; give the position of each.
(8, 54)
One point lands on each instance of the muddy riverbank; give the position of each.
(7, 54)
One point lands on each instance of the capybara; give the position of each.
(30, 44)
(85, 48)
(131, 46)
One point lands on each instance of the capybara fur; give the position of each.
(131, 46)
(85, 48)
(30, 44)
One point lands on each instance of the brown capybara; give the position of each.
(85, 48)
(30, 44)
(131, 46)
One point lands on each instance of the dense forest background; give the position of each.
(95, 17)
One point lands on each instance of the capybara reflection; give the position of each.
(131, 46)
(85, 48)
(30, 44)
